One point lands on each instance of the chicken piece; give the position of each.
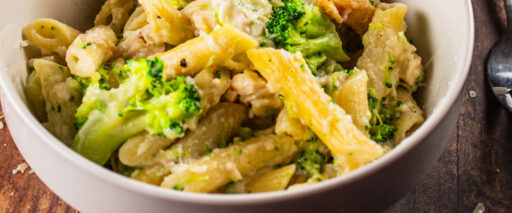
(355, 13)
(134, 45)
(253, 90)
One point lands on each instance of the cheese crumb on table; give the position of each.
(472, 94)
(480, 208)
(21, 168)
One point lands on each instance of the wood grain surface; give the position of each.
(476, 167)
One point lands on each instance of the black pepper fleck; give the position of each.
(183, 63)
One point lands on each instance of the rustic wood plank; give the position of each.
(23, 192)
(475, 167)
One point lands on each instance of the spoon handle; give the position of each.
(508, 6)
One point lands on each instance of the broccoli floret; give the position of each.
(309, 158)
(108, 76)
(295, 26)
(381, 126)
(143, 101)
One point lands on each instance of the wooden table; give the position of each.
(475, 168)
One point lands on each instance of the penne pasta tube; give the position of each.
(289, 75)
(90, 50)
(212, 132)
(50, 36)
(192, 56)
(167, 23)
(353, 98)
(115, 13)
(231, 163)
(62, 96)
(274, 180)
(141, 149)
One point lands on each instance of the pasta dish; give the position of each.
(228, 96)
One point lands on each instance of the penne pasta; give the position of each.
(204, 51)
(115, 13)
(34, 93)
(167, 23)
(388, 55)
(62, 96)
(288, 74)
(136, 21)
(140, 150)
(90, 50)
(50, 36)
(231, 163)
(274, 180)
(411, 115)
(353, 98)
(212, 132)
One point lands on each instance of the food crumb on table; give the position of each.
(21, 168)
(1, 125)
(480, 208)
(472, 94)
(12, 194)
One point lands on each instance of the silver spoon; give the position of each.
(499, 64)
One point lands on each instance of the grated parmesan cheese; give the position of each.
(480, 208)
(21, 168)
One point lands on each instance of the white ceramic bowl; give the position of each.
(442, 30)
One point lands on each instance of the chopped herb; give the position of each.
(52, 28)
(229, 187)
(207, 149)
(158, 175)
(372, 2)
(120, 41)
(392, 60)
(86, 45)
(238, 151)
(42, 27)
(388, 73)
(127, 171)
(276, 148)
(58, 107)
(218, 74)
(332, 101)
(179, 187)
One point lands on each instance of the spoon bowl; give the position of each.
(499, 64)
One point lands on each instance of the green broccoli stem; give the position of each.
(99, 138)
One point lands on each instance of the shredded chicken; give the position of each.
(134, 45)
(253, 90)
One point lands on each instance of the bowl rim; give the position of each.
(441, 109)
